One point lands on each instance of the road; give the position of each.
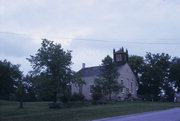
(163, 115)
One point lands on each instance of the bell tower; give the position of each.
(120, 56)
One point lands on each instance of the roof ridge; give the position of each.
(91, 71)
(91, 67)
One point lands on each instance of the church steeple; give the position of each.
(120, 56)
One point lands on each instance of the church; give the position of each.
(126, 78)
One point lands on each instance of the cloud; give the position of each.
(69, 19)
(64, 21)
(24, 64)
(16, 45)
(89, 56)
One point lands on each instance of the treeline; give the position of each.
(158, 76)
(10, 76)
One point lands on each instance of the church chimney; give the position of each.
(83, 65)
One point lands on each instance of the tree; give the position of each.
(107, 82)
(77, 80)
(9, 77)
(40, 87)
(52, 60)
(155, 76)
(169, 91)
(20, 93)
(175, 73)
(136, 63)
(29, 87)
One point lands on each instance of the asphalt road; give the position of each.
(163, 115)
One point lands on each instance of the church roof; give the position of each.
(119, 51)
(90, 71)
(93, 71)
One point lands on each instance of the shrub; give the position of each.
(100, 101)
(77, 97)
(65, 98)
(97, 96)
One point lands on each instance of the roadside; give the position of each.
(162, 115)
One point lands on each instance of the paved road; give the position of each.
(164, 115)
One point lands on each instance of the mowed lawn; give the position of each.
(39, 111)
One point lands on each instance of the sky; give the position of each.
(90, 28)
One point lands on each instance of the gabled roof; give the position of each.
(120, 51)
(92, 71)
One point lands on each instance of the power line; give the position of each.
(117, 40)
(129, 42)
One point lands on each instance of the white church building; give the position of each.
(126, 78)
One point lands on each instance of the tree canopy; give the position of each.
(136, 63)
(175, 73)
(154, 76)
(9, 77)
(107, 82)
(53, 61)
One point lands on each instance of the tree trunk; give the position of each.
(109, 94)
(21, 103)
(58, 90)
(55, 97)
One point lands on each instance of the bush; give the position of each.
(65, 98)
(97, 96)
(77, 97)
(100, 101)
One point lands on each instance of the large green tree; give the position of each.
(53, 61)
(107, 82)
(175, 73)
(40, 87)
(10, 75)
(136, 63)
(154, 80)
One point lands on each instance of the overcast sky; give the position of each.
(90, 28)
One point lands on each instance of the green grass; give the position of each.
(39, 111)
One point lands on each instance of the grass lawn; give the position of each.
(39, 111)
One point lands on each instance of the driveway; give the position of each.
(163, 115)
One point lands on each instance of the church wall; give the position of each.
(85, 88)
(129, 80)
(126, 75)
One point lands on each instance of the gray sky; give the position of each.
(90, 28)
